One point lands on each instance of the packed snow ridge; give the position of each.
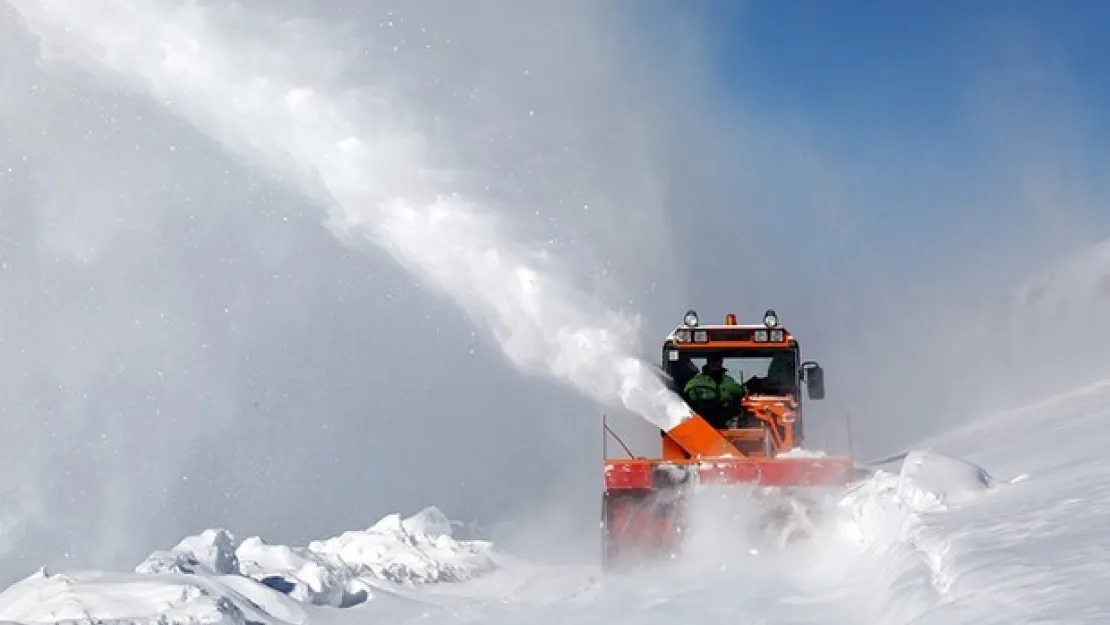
(339, 571)
(210, 578)
(875, 536)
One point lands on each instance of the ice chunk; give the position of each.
(212, 551)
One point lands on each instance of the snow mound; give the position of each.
(140, 599)
(211, 552)
(211, 578)
(416, 550)
(881, 528)
(301, 573)
(413, 551)
(872, 547)
(934, 481)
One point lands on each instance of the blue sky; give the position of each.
(930, 119)
(893, 65)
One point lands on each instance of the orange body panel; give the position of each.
(672, 450)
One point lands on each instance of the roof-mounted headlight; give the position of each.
(770, 319)
(690, 319)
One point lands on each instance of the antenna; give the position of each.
(609, 430)
(604, 438)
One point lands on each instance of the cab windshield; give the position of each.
(771, 371)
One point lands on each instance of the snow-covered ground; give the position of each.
(997, 523)
(212, 577)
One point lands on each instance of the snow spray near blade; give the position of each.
(263, 92)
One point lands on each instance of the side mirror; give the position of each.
(814, 377)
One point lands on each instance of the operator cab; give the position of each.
(765, 360)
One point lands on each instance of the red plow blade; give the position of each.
(636, 474)
(777, 471)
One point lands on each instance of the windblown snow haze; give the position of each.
(270, 271)
(171, 169)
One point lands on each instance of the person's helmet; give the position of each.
(715, 362)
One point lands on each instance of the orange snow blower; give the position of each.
(753, 438)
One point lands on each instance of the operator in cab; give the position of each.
(714, 394)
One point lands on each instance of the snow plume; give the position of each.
(258, 91)
(182, 342)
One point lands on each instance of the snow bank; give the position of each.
(210, 578)
(416, 550)
(925, 537)
(211, 552)
(880, 544)
(934, 481)
(865, 553)
(98, 597)
(343, 570)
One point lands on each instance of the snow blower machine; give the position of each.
(748, 430)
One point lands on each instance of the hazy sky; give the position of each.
(194, 330)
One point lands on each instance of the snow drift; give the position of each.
(213, 578)
(94, 596)
(340, 571)
(928, 536)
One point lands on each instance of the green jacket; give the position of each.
(703, 389)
